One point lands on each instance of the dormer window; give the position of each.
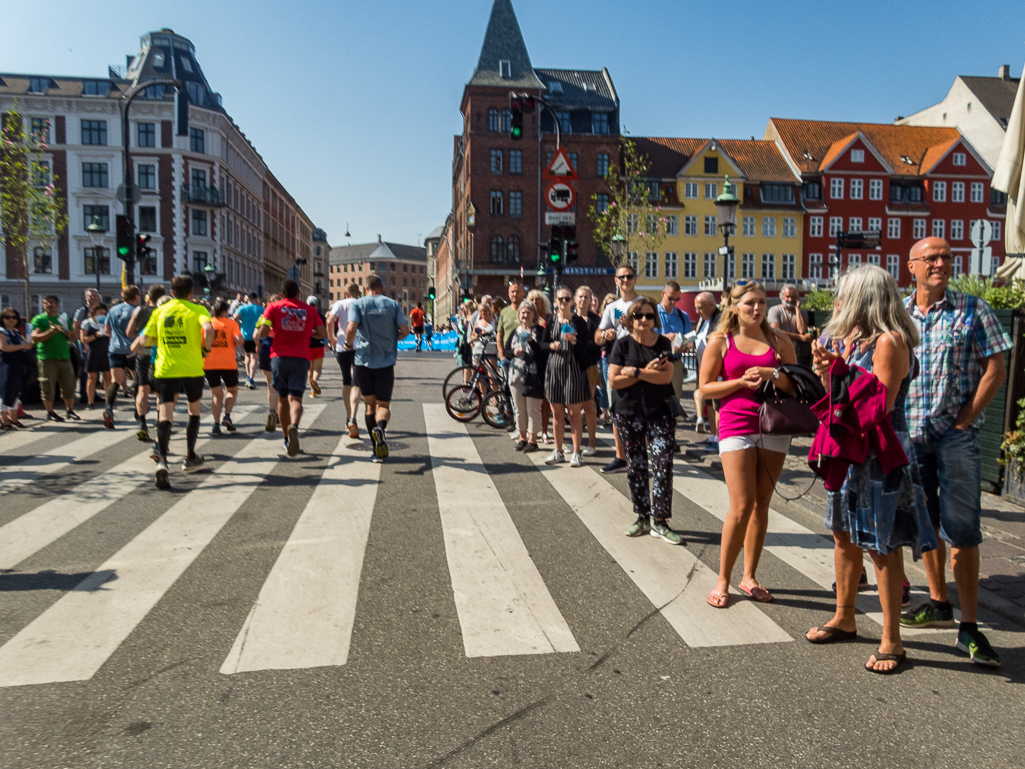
(186, 64)
(555, 86)
(857, 156)
(95, 87)
(158, 60)
(505, 69)
(38, 84)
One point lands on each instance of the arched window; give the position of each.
(497, 249)
(512, 249)
(492, 119)
(506, 120)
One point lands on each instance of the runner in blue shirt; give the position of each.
(119, 351)
(247, 315)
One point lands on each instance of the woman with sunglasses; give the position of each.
(745, 352)
(591, 355)
(14, 363)
(641, 376)
(565, 379)
(97, 344)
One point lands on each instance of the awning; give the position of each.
(1008, 177)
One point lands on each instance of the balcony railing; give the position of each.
(202, 195)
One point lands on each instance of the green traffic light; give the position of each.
(123, 251)
(517, 132)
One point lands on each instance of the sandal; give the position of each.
(900, 659)
(831, 635)
(757, 593)
(717, 599)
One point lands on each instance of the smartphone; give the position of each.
(665, 356)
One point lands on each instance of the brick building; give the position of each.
(402, 269)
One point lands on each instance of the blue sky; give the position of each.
(354, 105)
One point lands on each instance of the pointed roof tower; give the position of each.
(504, 60)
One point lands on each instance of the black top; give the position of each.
(579, 348)
(643, 399)
(17, 360)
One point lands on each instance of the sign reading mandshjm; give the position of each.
(560, 196)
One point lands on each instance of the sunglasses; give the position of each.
(564, 299)
(9, 317)
(626, 277)
(644, 316)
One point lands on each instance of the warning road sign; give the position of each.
(560, 196)
(560, 167)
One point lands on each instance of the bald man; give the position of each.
(708, 318)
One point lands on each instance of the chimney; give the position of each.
(378, 238)
(1004, 73)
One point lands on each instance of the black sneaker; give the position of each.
(380, 444)
(216, 431)
(974, 644)
(292, 443)
(72, 416)
(162, 476)
(193, 463)
(53, 416)
(928, 615)
(530, 448)
(228, 424)
(617, 465)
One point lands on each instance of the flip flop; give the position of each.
(757, 593)
(832, 635)
(900, 659)
(718, 600)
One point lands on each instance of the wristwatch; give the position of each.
(637, 372)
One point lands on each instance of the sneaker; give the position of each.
(555, 457)
(72, 416)
(250, 384)
(520, 445)
(228, 424)
(108, 419)
(154, 452)
(530, 448)
(928, 615)
(661, 529)
(905, 594)
(576, 460)
(380, 444)
(699, 427)
(589, 451)
(53, 416)
(215, 431)
(161, 476)
(862, 582)
(974, 644)
(314, 389)
(639, 528)
(293, 440)
(617, 465)
(272, 422)
(353, 429)
(142, 434)
(377, 460)
(190, 465)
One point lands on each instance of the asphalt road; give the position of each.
(459, 606)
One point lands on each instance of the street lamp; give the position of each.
(97, 232)
(208, 272)
(726, 208)
(618, 247)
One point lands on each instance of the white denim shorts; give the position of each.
(780, 443)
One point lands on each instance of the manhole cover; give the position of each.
(367, 446)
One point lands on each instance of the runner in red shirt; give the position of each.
(294, 323)
(417, 316)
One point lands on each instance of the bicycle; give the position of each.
(486, 391)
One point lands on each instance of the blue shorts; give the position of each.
(288, 375)
(121, 361)
(951, 470)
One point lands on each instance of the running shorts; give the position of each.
(345, 359)
(288, 375)
(167, 388)
(215, 377)
(376, 382)
(249, 346)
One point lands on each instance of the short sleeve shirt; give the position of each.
(416, 315)
(117, 320)
(613, 312)
(292, 322)
(508, 320)
(787, 321)
(248, 314)
(56, 347)
(178, 328)
(641, 399)
(340, 310)
(222, 353)
(377, 320)
(675, 321)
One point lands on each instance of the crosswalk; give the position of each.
(304, 612)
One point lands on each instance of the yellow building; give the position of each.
(690, 175)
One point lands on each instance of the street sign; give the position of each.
(560, 196)
(725, 250)
(981, 232)
(560, 167)
(560, 217)
(136, 193)
(589, 271)
(981, 260)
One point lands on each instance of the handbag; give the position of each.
(783, 414)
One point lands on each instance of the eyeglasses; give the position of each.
(644, 316)
(932, 259)
(626, 277)
(564, 299)
(9, 317)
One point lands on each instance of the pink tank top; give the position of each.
(738, 413)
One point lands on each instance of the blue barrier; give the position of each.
(445, 341)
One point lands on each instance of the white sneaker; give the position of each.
(555, 457)
(700, 427)
(576, 460)
(589, 452)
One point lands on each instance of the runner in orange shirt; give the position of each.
(221, 367)
(417, 316)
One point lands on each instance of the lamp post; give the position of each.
(726, 207)
(208, 272)
(97, 232)
(618, 246)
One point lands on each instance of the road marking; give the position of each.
(503, 604)
(27, 534)
(671, 577)
(16, 440)
(72, 639)
(304, 614)
(56, 459)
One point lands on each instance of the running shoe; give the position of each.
(928, 615)
(108, 419)
(154, 452)
(250, 384)
(639, 528)
(576, 460)
(974, 644)
(18, 424)
(617, 465)
(293, 440)
(272, 422)
(380, 444)
(161, 476)
(589, 451)
(661, 530)
(72, 416)
(353, 429)
(314, 389)
(699, 427)
(53, 416)
(215, 431)
(227, 424)
(555, 457)
(193, 463)
(142, 433)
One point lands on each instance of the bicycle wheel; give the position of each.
(456, 378)
(463, 403)
(496, 409)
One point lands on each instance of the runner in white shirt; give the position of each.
(336, 321)
(609, 329)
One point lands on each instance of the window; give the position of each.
(939, 192)
(709, 266)
(198, 222)
(497, 203)
(42, 260)
(836, 189)
(918, 229)
(102, 213)
(516, 161)
(94, 132)
(909, 193)
(198, 177)
(147, 135)
(855, 224)
(994, 265)
(564, 124)
(497, 249)
(957, 229)
(815, 227)
(672, 225)
(496, 161)
(729, 267)
(515, 203)
(601, 202)
(633, 260)
(148, 266)
(512, 251)
(711, 165)
(505, 68)
(957, 192)
(573, 159)
(38, 84)
(997, 198)
(873, 258)
(631, 223)
(147, 219)
(711, 190)
(748, 225)
(939, 228)
(690, 189)
(789, 226)
(875, 224)
(690, 225)
(835, 225)
(777, 193)
(710, 225)
(506, 121)
(768, 266)
(599, 122)
(40, 128)
(747, 266)
(672, 264)
(41, 173)
(857, 156)
(92, 263)
(94, 174)
(199, 261)
(853, 260)
(768, 226)
(789, 267)
(492, 119)
(813, 191)
(654, 191)
(147, 174)
(95, 87)
(650, 264)
(815, 265)
(651, 224)
(197, 140)
(154, 91)
(959, 158)
(893, 228)
(958, 264)
(602, 165)
(875, 189)
(978, 191)
(857, 189)
(996, 230)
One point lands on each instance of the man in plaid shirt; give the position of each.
(961, 354)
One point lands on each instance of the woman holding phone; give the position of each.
(566, 384)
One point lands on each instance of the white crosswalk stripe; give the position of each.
(56, 459)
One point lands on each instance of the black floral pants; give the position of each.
(658, 435)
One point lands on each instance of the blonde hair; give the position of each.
(729, 322)
(870, 306)
(529, 307)
(609, 299)
(587, 290)
(534, 294)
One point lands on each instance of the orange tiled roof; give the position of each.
(936, 153)
(837, 148)
(757, 159)
(892, 142)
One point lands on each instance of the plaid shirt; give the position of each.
(957, 334)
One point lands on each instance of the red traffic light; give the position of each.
(515, 103)
(528, 104)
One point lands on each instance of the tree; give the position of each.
(633, 217)
(32, 210)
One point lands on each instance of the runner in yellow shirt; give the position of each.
(182, 333)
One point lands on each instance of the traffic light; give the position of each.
(124, 238)
(555, 246)
(569, 239)
(516, 125)
(142, 249)
(430, 293)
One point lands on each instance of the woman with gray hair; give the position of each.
(874, 510)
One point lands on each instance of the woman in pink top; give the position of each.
(744, 351)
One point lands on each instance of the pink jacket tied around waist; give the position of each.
(854, 423)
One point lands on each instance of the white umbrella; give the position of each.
(1009, 178)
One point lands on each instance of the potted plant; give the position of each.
(1013, 446)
